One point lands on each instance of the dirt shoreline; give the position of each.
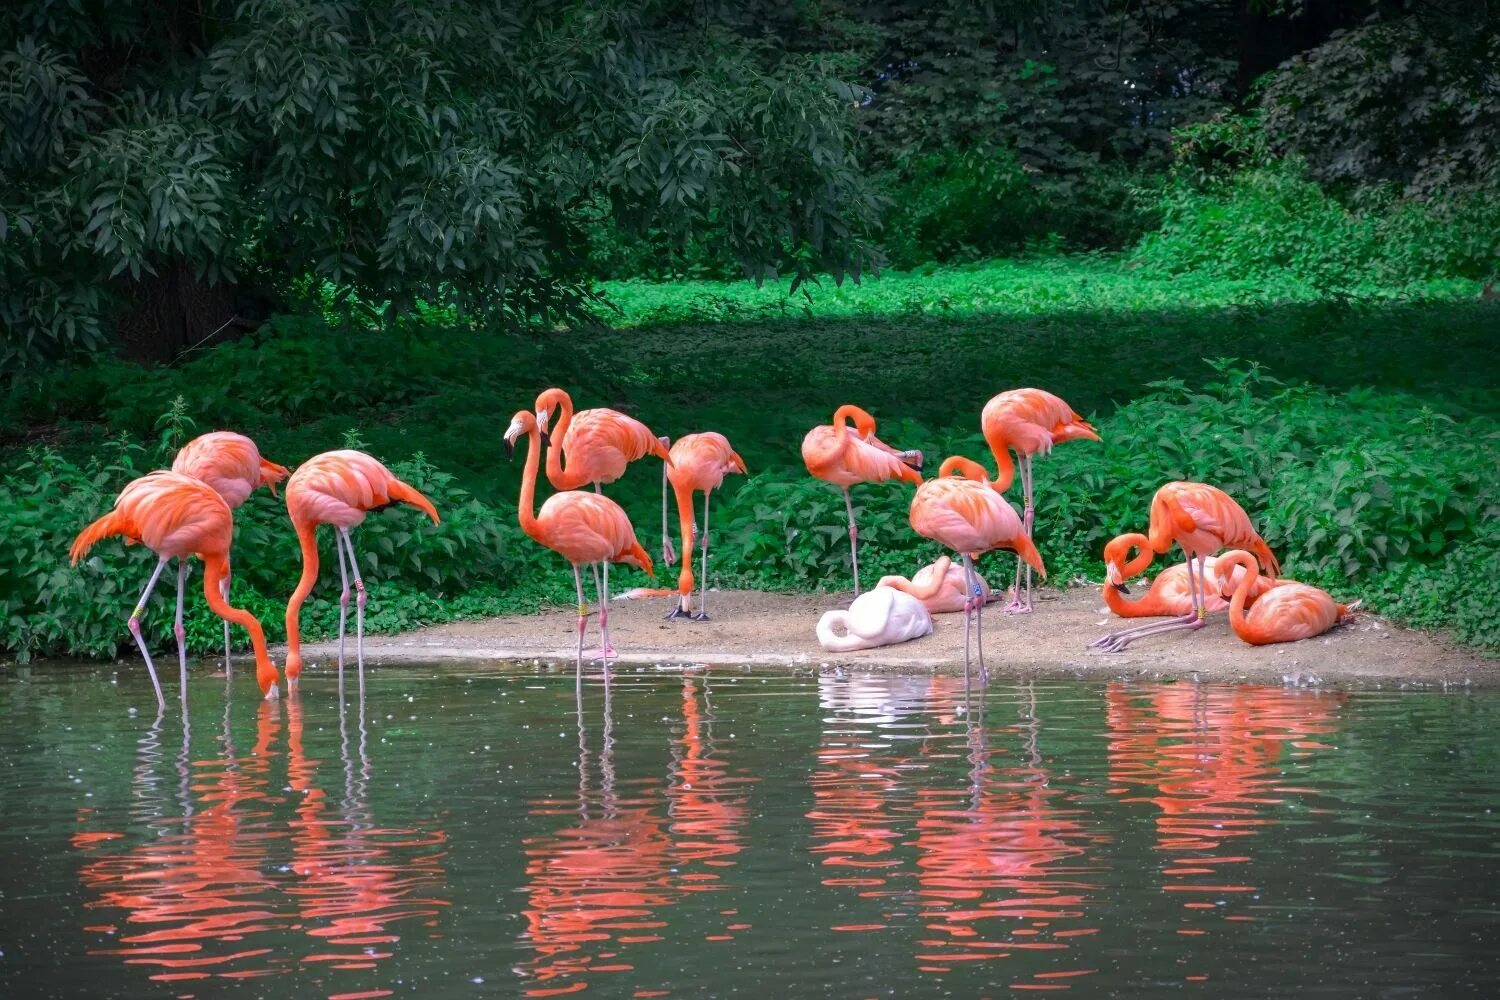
(777, 630)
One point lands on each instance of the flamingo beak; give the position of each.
(1115, 576)
(542, 417)
(546, 439)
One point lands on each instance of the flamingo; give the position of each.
(699, 463)
(1170, 592)
(177, 516)
(233, 466)
(940, 586)
(337, 488)
(597, 444)
(844, 455)
(1201, 520)
(880, 617)
(963, 510)
(1028, 422)
(1285, 613)
(580, 527)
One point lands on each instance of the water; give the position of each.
(451, 834)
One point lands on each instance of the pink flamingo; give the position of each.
(699, 463)
(337, 488)
(1028, 422)
(1286, 613)
(1201, 520)
(940, 586)
(962, 510)
(580, 527)
(232, 465)
(177, 516)
(844, 455)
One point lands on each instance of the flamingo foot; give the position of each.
(701, 616)
(678, 611)
(1017, 608)
(273, 693)
(606, 655)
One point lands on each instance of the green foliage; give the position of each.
(448, 153)
(1382, 493)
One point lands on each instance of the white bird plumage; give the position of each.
(880, 617)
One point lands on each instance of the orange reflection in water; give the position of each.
(598, 887)
(212, 894)
(1004, 863)
(1210, 760)
(1001, 860)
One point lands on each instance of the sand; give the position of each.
(770, 630)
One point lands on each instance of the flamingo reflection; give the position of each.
(1210, 760)
(206, 895)
(707, 802)
(1004, 860)
(595, 887)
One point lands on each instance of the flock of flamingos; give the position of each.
(188, 511)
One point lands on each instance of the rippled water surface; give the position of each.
(727, 833)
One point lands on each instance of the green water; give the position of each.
(453, 834)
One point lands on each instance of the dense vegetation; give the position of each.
(399, 217)
(1370, 469)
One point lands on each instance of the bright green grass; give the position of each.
(1377, 475)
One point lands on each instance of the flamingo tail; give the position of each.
(1027, 550)
(397, 490)
(634, 555)
(110, 524)
(271, 474)
(1266, 557)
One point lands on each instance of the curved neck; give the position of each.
(307, 538)
(1119, 603)
(1225, 567)
(1005, 468)
(554, 448)
(1132, 568)
(526, 505)
(214, 567)
(864, 424)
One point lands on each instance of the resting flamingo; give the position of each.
(843, 455)
(177, 516)
(962, 510)
(699, 463)
(337, 488)
(1028, 422)
(1201, 520)
(233, 466)
(1170, 593)
(940, 586)
(580, 527)
(882, 617)
(1285, 613)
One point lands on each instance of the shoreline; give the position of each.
(762, 629)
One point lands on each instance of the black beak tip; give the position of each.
(1122, 588)
(510, 450)
(546, 439)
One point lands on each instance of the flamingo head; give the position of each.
(546, 402)
(524, 422)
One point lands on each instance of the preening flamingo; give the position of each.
(233, 466)
(1201, 520)
(699, 464)
(337, 488)
(1028, 422)
(962, 510)
(843, 455)
(177, 516)
(940, 586)
(880, 617)
(595, 444)
(580, 527)
(1285, 613)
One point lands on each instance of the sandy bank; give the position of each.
(777, 630)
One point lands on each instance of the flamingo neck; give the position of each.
(1225, 566)
(864, 424)
(526, 505)
(555, 473)
(1005, 467)
(214, 567)
(307, 539)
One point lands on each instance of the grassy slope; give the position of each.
(922, 351)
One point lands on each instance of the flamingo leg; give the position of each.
(1028, 521)
(583, 624)
(359, 607)
(1192, 621)
(134, 624)
(668, 554)
(606, 650)
(1022, 605)
(181, 633)
(853, 539)
(702, 615)
(971, 584)
(338, 546)
(224, 590)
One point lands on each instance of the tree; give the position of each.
(172, 170)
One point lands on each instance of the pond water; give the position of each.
(700, 834)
